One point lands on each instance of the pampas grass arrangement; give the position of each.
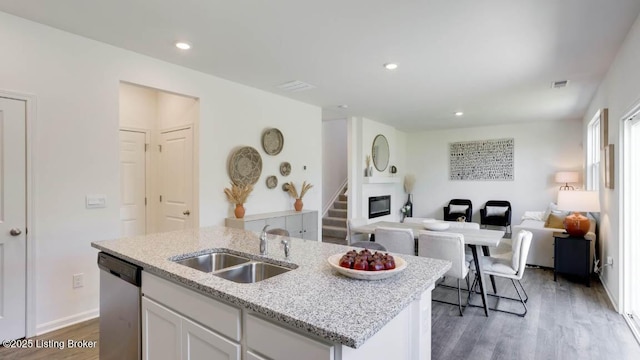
(238, 194)
(294, 192)
(409, 182)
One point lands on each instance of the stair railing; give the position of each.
(327, 206)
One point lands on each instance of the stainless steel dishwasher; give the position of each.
(120, 318)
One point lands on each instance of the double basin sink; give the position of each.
(233, 267)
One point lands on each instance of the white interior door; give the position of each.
(176, 179)
(132, 183)
(13, 221)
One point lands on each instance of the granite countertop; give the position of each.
(313, 298)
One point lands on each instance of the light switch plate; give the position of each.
(96, 201)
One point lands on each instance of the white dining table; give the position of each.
(475, 238)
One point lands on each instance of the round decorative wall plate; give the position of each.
(285, 169)
(272, 141)
(272, 182)
(245, 166)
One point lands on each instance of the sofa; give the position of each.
(541, 250)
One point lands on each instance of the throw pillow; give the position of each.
(555, 221)
(458, 209)
(552, 207)
(497, 210)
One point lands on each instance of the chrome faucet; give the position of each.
(287, 248)
(263, 241)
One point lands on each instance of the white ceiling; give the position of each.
(493, 59)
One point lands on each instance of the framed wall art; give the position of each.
(604, 128)
(481, 160)
(609, 170)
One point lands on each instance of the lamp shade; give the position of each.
(567, 177)
(579, 200)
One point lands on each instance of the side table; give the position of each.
(571, 256)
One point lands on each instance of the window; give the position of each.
(593, 153)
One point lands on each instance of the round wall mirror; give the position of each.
(380, 152)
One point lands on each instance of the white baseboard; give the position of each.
(67, 321)
(611, 298)
(633, 326)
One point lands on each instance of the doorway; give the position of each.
(631, 212)
(13, 218)
(158, 160)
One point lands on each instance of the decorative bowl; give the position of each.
(435, 225)
(334, 261)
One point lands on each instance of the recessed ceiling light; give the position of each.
(458, 113)
(343, 106)
(390, 66)
(183, 45)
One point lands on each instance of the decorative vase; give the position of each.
(239, 211)
(410, 204)
(298, 205)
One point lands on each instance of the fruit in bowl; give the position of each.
(366, 261)
(435, 225)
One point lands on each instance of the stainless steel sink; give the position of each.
(212, 262)
(251, 272)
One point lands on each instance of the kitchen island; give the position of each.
(310, 309)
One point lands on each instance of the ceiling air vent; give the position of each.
(295, 86)
(559, 84)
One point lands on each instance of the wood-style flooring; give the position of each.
(88, 330)
(566, 320)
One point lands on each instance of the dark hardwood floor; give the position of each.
(566, 320)
(87, 330)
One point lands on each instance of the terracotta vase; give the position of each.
(298, 205)
(239, 211)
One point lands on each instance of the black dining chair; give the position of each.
(496, 213)
(458, 208)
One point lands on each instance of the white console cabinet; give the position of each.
(301, 224)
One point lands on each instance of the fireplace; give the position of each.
(379, 206)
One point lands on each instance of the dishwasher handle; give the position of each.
(119, 268)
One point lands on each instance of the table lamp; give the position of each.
(578, 201)
(567, 177)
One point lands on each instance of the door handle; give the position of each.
(15, 232)
(186, 212)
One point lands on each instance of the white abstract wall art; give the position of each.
(481, 160)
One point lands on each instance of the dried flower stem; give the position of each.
(238, 194)
(294, 192)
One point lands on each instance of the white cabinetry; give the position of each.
(168, 335)
(301, 224)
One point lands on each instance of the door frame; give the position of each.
(625, 218)
(30, 234)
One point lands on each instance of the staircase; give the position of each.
(335, 224)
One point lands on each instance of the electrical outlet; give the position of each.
(609, 260)
(78, 280)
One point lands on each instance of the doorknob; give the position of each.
(15, 232)
(186, 212)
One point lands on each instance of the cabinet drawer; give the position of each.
(216, 315)
(276, 342)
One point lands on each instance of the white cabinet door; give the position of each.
(161, 332)
(310, 226)
(277, 222)
(294, 225)
(254, 225)
(251, 356)
(199, 343)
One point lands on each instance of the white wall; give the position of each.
(334, 158)
(541, 149)
(75, 148)
(362, 133)
(619, 92)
